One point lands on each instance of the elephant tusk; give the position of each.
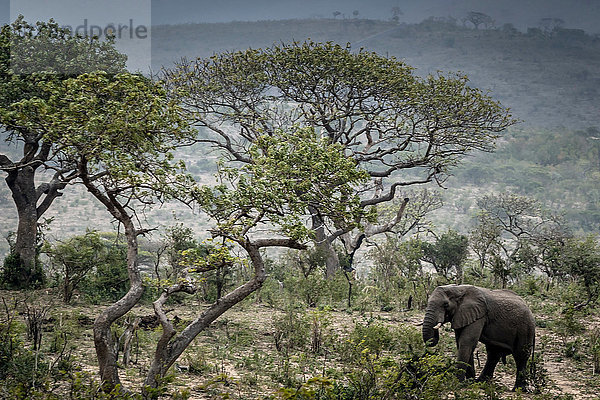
(419, 324)
(438, 326)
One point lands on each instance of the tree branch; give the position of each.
(5, 162)
(279, 242)
(372, 230)
(390, 195)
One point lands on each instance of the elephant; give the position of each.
(499, 319)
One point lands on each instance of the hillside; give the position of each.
(549, 81)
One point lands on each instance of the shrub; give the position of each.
(373, 338)
(424, 376)
(75, 258)
(537, 374)
(291, 331)
(109, 281)
(16, 275)
(21, 372)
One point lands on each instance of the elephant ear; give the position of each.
(472, 307)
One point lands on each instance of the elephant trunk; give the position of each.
(431, 326)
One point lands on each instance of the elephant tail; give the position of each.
(533, 361)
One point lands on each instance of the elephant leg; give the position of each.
(471, 370)
(465, 360)
(464, 368)
(466, 340)
(493, 356)
(521, 362)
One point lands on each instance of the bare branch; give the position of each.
(278, 242)
(5, 162)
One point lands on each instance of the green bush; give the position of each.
(109, 281)
(537, 374)
(84, 387)
(299, 278)
(425, 377)
(291, 331)
(16, 275)
(373, 338)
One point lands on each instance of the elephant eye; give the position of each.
(446, 304)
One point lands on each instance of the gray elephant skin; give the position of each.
(497, 318)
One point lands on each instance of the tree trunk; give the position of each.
(332, 261)
(127, 337)
(324, 242)
(26, 243)
(103, 340)
(67, 288)
(349, 289)
(324, 245)
(168, 349)
(220, 281)
(459, 274)
(21, 183)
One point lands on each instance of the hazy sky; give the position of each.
(583, 14)
(4, 11)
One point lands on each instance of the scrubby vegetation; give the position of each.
(297, 338)
(301, 337)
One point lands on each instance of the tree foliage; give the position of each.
(401, 129)
(478, 18)
(90, 262)
(551, 24)
(116, 134)
(395, 259)
(559, 168)
(579, 259)
(31, 58)
(279, 186)
(260, 204)
(447, 254)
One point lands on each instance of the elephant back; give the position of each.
(506, 305)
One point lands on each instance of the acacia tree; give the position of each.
(117, 133)
(31, 57)
(478, 18)
(402, 129)
(262, 204)
(515, 232)
(482, 240)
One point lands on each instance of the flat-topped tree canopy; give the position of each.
(400, 128)
(385, 116)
